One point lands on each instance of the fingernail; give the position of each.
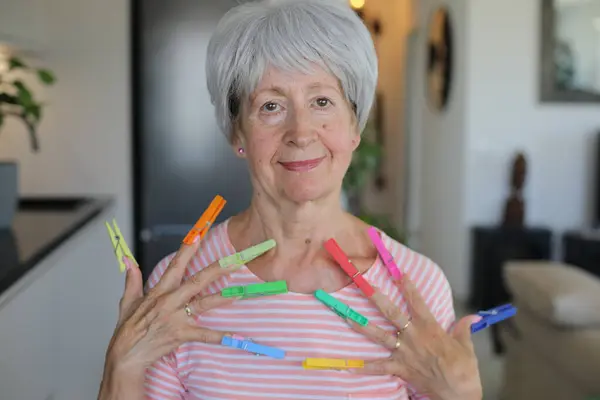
(127, 263)
(196, 239)
(477, 318)
(239, 297)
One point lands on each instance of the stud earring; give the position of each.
(241, 150)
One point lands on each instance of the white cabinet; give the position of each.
(54, 332)
(26, 344)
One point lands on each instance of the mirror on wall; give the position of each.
(570, 51)
(439, 59)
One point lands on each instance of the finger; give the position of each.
(134, 288)
(462, 330)
(389, 310)
(175, 270)
(203, 335)
(200, 281)
(203, 304)
(415, 302)
(376, 334)
(385, 366)
(188, 333)
(158, 304)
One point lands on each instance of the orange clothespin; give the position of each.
(206, 220)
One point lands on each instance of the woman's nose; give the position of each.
(301, 130)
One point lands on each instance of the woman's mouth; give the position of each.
(302, 166)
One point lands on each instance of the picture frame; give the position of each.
(566, 64)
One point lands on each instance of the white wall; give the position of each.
(505, 116)
(438, 138)
(85, 132)
(396, 18)
(494, 112)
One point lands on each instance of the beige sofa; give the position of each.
(553, 343)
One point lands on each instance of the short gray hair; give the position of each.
(289, 35)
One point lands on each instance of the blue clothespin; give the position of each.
(239, 342)
(493, 316)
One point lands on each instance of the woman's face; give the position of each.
(298, 133)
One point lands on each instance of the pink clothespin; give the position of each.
(385, 255)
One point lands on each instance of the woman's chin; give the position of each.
(303, 193)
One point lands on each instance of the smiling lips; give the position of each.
(302, 166)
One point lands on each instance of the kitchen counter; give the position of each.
(41, 226)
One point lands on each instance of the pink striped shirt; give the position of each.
(300, 325)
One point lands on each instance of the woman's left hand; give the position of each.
(438, 364)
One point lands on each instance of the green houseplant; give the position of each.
(364, 162)
(17, 101)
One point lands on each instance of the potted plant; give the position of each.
(17, 101)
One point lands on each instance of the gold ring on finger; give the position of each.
(405, 327)
(398, 341)
(188, 310)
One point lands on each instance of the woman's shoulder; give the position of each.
(410, 261)
(214, 246)
(420, 269)
(427, 276)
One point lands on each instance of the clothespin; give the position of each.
(239, 342)
(119, 245)
(331, 363)
(341, 309)
(206, 220)
(342, 259)
(256, 290)
(245, 256)
(493, 316)
(385, 255)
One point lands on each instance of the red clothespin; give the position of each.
(342, 259)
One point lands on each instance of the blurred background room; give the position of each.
(482, 153)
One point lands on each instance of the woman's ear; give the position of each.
(356, 137)
(356, 141)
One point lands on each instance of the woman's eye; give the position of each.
(270, 107)
(323, 102)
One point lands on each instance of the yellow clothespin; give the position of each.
(332, 363)
(119, 245)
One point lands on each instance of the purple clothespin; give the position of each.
(493, 316)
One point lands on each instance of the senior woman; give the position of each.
(292, 83)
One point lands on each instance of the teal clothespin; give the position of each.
(245, 256)
(340, 308)
(256, 290)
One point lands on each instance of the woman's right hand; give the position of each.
(153, 324)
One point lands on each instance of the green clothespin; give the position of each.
(245, 256)
(340, 308)
(256, 290)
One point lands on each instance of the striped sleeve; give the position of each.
(162, 381)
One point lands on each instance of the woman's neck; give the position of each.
(299, 230)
